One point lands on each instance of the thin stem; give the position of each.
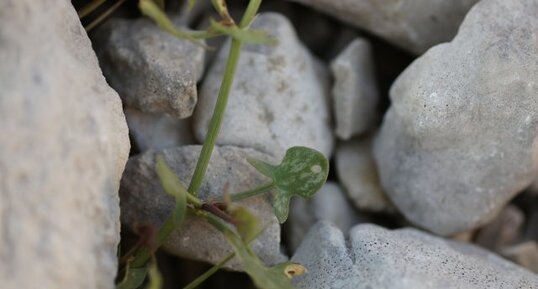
(216, 119)
(89, 8)
(203, 34)
(250, 13)
(252, 193)
(200, 279)
(103, 16)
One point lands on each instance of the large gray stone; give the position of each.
(357, 172)
(158, 131)
(63, 148)
(401, 259)
(460, 138)
(415, 25)
(354, 93)
(151, 69)
(277, 99)
(328, 204)
(143, 201)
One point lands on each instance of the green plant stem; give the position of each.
(200, 279)
(89, 8)
(252, 193)
(216, 119)
(250, 13)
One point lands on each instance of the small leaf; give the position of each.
(263, 277)
(170, 182)
(134, 277)
(172, 186)
(244, 35)
(155, 277)
(246, 223)
(302, 172)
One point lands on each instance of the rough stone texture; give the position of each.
(459, 140)
(355, 95)
(143, 201)
(524, 254)
(277, 99)
(158, 131)
(502, 231)
(415, 25)
(401, 259)
(357, 171)
(151, 69)
(328, 204)
(63, 148)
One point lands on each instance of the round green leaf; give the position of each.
(302, 172)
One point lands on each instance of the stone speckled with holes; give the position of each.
(375, 257)
(461, 136)
(151, 69)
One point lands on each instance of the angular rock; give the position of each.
(151, 69)
(524, 254)
(158, 131)
(355, 95)
(460, 137)
(63, 148)
(143, 201)
(502, 231)
(357, 171)
(403, 259)
(413, 25)
(328, 204)
(277, 99)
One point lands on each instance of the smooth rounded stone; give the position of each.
(414, 25)
(158, 131)
(354, 93)
(151, 69)
(328, 204)
(63, 148)
(357, 172)
(277, 99)
(143, 201)
(524, 254)
(375, 257)
(502, 231)
(460, 138)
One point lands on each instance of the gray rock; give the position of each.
(158, 131)
(63, 148)
(277, 99)
(151, 69)
(502, 231)
(355, 95)
(401, 259)
(328, 204)
(357, 171)
(459, 139)
(143, 201)
(413, 25)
